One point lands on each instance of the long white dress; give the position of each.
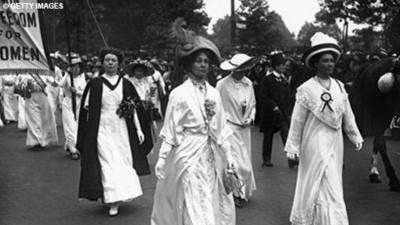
(239, 104)
(40, 121)
(53, 93)
(192, 192)
(10, 100)
(157, 78)
(120, 180)
(70, 122)
(21, 113)
(316, 134)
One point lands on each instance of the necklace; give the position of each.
(326, 86)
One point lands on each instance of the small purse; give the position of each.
(231, 181)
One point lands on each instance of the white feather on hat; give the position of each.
(321, 42)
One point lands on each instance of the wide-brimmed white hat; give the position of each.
(76, 60)
(237, 62)
(321, 42)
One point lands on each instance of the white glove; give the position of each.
(159, 168)
(140, 136)
(291, 156)
(359, 146)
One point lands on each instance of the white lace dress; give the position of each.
(316, 134)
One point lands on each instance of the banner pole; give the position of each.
(69, 57)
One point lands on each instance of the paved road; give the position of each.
(41, 188)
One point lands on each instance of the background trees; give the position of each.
(379, 17)
(143, 26)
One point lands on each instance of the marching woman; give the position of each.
(110, 137)
(10, 100)
(239, 102)
(321, 113)
(194, 149)
(69, 118)
(139, 73)
(40, 121)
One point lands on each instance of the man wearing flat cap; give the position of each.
(275, 107)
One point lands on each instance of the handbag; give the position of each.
(231, 181)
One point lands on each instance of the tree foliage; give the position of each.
(265, 30)
(378, 15)
(222, 34)
(133, 25)
(309, 29)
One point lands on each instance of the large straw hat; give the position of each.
(130, 68)
(321, 43)
(238, 62)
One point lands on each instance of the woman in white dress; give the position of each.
(239, 102)
(10, 100)
(69, 118)
(194, 151)
(110, 140)
(39, 118)
(321, 113)
(139, 73)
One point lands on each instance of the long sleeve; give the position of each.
(298, 120)
(252, 114)
(165, 149)
(172, 130)
(350, 126)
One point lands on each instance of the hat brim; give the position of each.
(310, 53)
(246, 65)
(200, 43)
(129, 69)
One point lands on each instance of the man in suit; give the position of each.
(275, 105)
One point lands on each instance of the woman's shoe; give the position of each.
(113, 211)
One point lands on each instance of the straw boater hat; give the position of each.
(321, 43)
(130, 68)
(76, 60)
(238, 62)
(188, 43)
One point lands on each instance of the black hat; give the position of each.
(277, 58)
(130, 68)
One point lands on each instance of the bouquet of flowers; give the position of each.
(209, 105)
(127, 108)
(24, 89)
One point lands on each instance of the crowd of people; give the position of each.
(112, 105)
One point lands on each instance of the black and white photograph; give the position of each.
(199, 112)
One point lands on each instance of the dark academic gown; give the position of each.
(90, 184)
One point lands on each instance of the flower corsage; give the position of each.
(209, 105)
(127, 108)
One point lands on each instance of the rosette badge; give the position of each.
(326, 97)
